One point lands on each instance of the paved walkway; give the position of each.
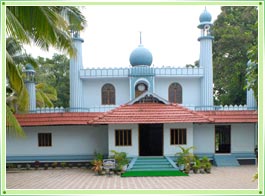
(220, 178)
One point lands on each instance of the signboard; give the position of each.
(109, 163)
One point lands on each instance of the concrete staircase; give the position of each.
(152, 164)
(225, 160)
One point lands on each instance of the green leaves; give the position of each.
(235, 33)
(44, 25)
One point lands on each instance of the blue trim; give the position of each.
(171, 162)
(205, 37)
(50, 158)
(132, 163)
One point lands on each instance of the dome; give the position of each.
(205, 16)
(29, 68)
(141, 56)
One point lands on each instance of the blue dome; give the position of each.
(29, 68)
(141, 56)
(205, 16)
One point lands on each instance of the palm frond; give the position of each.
(14, 27)
(13, 127)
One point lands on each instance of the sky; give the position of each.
(112, 33)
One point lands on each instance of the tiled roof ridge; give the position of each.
(105, 114)
(193, 112)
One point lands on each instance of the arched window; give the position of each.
(175, 93)
(140, 88)
(108, 94)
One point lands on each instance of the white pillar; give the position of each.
(30, 85)
(206, 61)
(32, 95)
(251, 101)
(76, 86)
(207, 64)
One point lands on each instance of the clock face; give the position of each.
(141, 87)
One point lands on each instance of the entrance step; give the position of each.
(225, 160)
(152, 163)
(152, 166)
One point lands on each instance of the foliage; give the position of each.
(185, 157)
(13, 127)
(195, 65)
(45, 26)
(180, 160)
(197, 165)
(120, 158)
(98, 156)
(206, 164)
(63, 164)
(252, 69)
(97, 166)
(255, 177)
(54, 164)
(54, 72)
(235, 32)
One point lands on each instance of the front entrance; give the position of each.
(150, 139)
(222, 139)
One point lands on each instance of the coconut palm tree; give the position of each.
(45, 26)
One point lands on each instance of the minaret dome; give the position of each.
(141, 55)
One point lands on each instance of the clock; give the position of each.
(141, 87)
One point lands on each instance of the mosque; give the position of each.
(142, 110)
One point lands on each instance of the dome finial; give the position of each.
(141, 55)
(140, 37)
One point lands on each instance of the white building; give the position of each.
(142, 110)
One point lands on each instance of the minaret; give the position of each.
(251, 101)
(76, 86)
(206, 61)
(30, 85)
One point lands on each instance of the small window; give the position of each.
(123, 137)
(178, 136)
(45, 139)
(175, 93)
(140, 89)
(108, 94)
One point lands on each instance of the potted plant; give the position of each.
(187, 168)
(208, 167)
(97, 166)
(28, 166)
(19, 166)
(196, 166)
(46, 166)
(181, 163)
(121, 160)
(36, 164)
(54, 165)
(63, 164)
(186, 157)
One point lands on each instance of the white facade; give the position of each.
(66, 140)
(190, 89)
(92, 91)
(204, 138)
(242, 138)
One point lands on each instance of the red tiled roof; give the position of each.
(150, 113)
(243, 116)
(139, 113)
(70, 118)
